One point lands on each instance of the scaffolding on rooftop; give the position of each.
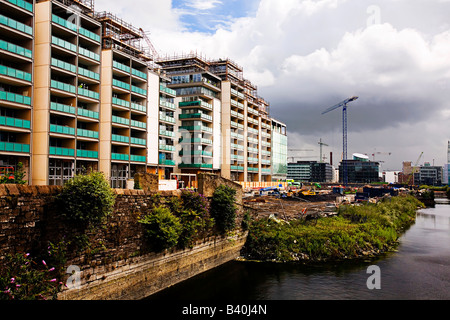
(121, 35)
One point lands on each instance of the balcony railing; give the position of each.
(57, 151)
(14, 97)
(15, 122)
(119, 138)
(14, 73)
(14, 147)
(63, 86)
(62, 108)
(120, 156)
(23, 4)
(137, 158)
(62, 129)
(88, 113)
(87, 154)
(120, 102)
(87, 133)
(15, 25)
(7, 46)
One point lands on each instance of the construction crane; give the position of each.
(149, 43)
(343, 105)
(414, 169)
(321, 145)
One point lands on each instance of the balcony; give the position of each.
(87, 133)
(15, 98)
(167, 133)
(15, 122)
(14, 147)
(65, 152)
(23, 4)
(88, 93)
(139, 74)
(63, 86)
(64, 44)
(197, 140)
(168, 105)
(119, 138)
(137, 158)
(120, 157)
(7, 46)
(202, 116)
(167, 90)
(165, 118)
(121, 67)
(167, 162)
(196, 165)
(14, 73)
(196, 104)
(197, 128)
(64, 65)
(120, 120)
(62, 108)
(87, 154)
(62, 129)
(88, 73)
(167, 148)
(120, 102)
(237, 168)
(16, 25)
(138, 107)
(89, 34)
(88, 113)
(138, 90)
(89, 54)
(138, 141)
(64, 23)
(121, 84)
(138, 124)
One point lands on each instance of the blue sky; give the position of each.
(208, 15)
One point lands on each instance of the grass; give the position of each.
(356, 231)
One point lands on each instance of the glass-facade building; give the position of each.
(279, 151)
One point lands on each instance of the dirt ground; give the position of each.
(291, 208)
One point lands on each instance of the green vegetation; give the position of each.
(87, 199)
(223, 208)
(355, 232)
(162, 228)
(177, 222)
(24, 278)
(16, 178)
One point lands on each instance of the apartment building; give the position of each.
(162, 126)
(80, 91)
(16, 84)
(66, 91)
(124, 100)
(198, 114)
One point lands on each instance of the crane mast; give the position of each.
(343, 105)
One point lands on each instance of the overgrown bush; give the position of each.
(223, 208)
(162, 228)
(87, 199)
(22, 278)
(17, 177)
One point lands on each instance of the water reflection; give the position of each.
(420, 269)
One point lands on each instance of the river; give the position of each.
(418, 270)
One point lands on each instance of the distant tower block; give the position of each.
(448, 153)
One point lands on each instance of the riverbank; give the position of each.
(354, 232)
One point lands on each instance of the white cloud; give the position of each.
(203, 4)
